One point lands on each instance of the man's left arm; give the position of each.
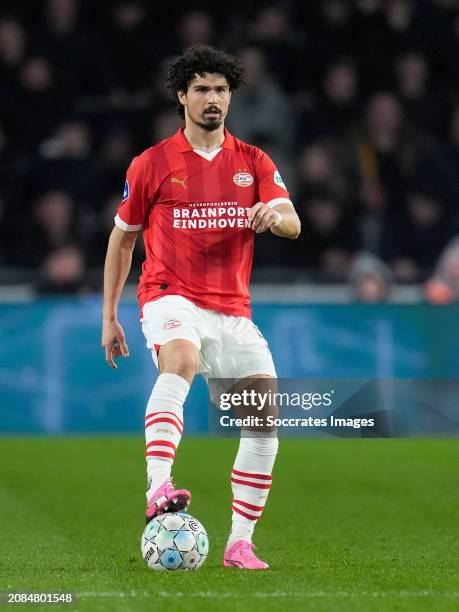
(275, 210)
(282, 220)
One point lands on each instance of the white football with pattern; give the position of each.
(174, 541)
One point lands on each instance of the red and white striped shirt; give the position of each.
(193, 210)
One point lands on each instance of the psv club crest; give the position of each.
(243, 179)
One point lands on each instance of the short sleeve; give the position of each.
(271, 187)
(136, 203)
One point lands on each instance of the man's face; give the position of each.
(207, 101)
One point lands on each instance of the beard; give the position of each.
(210, 124)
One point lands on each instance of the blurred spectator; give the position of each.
(330, 33)
(115, 153)
(281, 43)
(38, 104)
(261, 109)
(329, 237)
(196, 28)
(406, 25)
(385, 150)
(380, 161)
(369, 7)
(63, 272)
(71, 141)
(77, 58)
(334, 112)
(370, 279)
(318, 171)
(443, 286)
(12, 50)
(413, 239)
(423, 107)
(52, 225)
(438, 170)
(62, 16)
(130, 45)
(67, 162)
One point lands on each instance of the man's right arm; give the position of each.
(117, 265)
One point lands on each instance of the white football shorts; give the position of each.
(231, 348)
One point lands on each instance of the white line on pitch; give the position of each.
(217, 594)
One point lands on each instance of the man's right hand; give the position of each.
(114, 342)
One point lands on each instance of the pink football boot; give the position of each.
(167, 498)
(241, 555)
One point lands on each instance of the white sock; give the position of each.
(164, 427)
(251, 481)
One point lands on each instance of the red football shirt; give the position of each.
(193, 211)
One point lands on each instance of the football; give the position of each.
(174, 541)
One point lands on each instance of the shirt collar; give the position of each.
(183, 144)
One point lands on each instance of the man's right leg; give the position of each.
(178, 363)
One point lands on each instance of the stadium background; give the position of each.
(358, 104)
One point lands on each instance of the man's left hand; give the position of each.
(262, 217)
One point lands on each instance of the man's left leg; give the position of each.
(251, 476)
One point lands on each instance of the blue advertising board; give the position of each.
(53, 377)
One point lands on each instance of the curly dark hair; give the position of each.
(198, 60)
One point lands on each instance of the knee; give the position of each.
(179, 357)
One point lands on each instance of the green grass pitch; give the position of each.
(349, 525)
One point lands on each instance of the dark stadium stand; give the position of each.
(357, 102)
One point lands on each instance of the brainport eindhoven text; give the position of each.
(271, 421)
(220, 215)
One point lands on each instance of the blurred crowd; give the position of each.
(356, 101)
